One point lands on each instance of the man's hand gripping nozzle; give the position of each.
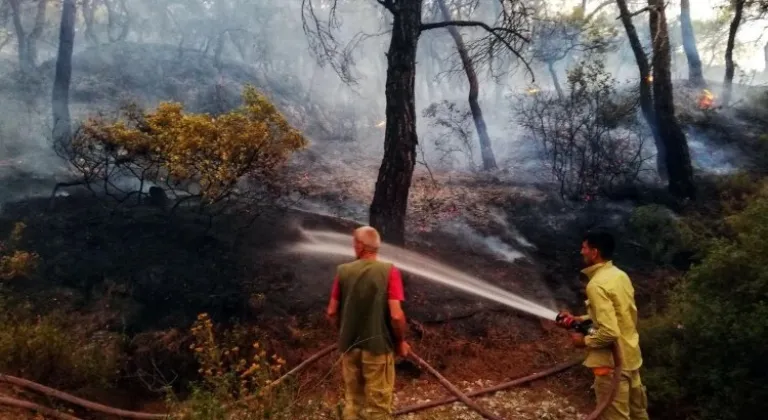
(572, 323)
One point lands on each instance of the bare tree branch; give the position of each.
(495, 32)
(324, 44)
(437, 25)
(639, 12)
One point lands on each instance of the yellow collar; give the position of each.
(593, 269)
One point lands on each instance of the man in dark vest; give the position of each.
(365, 307)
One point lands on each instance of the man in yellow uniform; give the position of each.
(611, 307)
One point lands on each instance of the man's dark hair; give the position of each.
(603, 242)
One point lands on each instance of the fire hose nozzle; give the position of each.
(570, 322)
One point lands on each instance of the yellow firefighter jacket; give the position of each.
(611, 307)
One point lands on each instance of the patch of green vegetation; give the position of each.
(46, 350)
(708, 352)
(666, 236)
(238, 378)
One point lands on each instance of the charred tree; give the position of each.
(117, 21)
(646, 93)
(678, 157)
(88, 12)
(486, 151)
(730, 67)
(27, 42)
(555, 80)
(390, 200)
(60, 96)
(695, 73)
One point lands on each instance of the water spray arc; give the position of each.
(333, 243)
(337, 244)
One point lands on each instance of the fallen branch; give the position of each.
(78, 401)
(13, 402)
(519, 381)
(459, 395)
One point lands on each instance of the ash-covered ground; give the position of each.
(132, 272)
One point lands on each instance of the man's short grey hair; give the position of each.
(369, 237)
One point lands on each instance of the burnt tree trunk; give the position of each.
(486, 151)
(88, 7)
(61, 81)
(730, 68)
(21, 37)
(37, 31)
(27, 43)
(678, 156)
(219, 49)
(390, 199)
(555, 81)
(646, 94)
(695, 73)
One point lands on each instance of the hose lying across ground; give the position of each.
(602, 405)
(13, 402)
(496, 388)
(55, 393)
(460, 395)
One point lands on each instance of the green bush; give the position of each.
(46, 350)
(661, 347)
(711, 350)
(665, 236)
(237, 372)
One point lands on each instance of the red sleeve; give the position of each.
(335, 292)
(395, 285)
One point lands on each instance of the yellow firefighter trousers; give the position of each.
(631, 402)
(369, 382)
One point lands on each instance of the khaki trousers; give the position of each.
(369, 382)
(631, 401)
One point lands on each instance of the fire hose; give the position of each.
(459, 396)
(55, 393)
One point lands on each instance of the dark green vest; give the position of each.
(364, 310)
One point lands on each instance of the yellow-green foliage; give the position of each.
(47, 350)
(236, 373)
(710, 352)
(15, 262)
(214, 152)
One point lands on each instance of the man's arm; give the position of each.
(332, 313)
(399, 323)
(396, 313)
(606, 325)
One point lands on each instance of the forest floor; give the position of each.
(508, 234)
(135, 274)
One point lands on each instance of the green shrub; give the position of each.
(236, 372)
(666, 236)
(716, 360)
(660, 342)
(734, 191)
(46, 350)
